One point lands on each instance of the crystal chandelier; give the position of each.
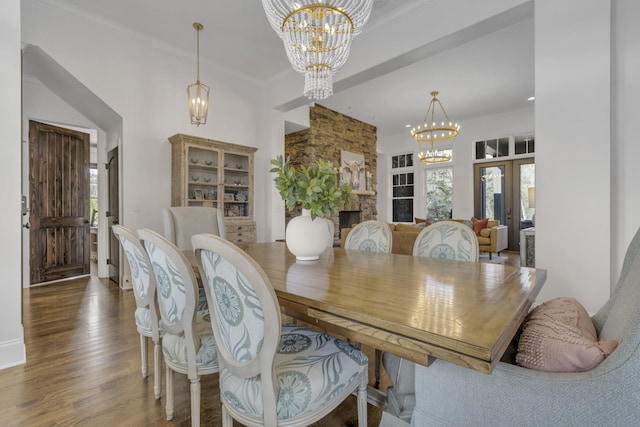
(317, 36)
(197, 92)
(433, 131)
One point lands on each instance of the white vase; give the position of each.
(307, 238)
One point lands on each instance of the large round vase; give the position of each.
(307, 238)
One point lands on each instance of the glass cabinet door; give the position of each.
(202, 178)
(236, 185)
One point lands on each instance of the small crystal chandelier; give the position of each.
(317, 36)
(434, 131)
(197, 92)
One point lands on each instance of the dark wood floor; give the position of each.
(83, 366)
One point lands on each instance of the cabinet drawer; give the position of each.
(243, 237)
(240, 228)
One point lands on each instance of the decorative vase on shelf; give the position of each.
(306, 238)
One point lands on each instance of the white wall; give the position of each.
(625, 150)
(145, 83)
(573, 160)
(12, 348)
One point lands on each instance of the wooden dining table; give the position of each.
(415, 307)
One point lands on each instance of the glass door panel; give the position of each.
(492, 192)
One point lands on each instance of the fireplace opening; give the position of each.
(349, 218)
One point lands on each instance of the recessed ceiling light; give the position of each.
(407, 126)
(531, 98)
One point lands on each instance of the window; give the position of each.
(439, 192)
(93, 194)
(402, 187)
(492, 148)
(525, 144)
(402, 161)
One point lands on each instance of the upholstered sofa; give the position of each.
(403, 237)
(493, 238)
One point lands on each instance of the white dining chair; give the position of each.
(182, 222)
(371, 236)
(270, 374)
(144, 292)
(188, 344)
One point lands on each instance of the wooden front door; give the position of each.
(59, 202)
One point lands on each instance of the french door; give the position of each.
(504, 190)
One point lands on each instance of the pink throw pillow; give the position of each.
(559, 336)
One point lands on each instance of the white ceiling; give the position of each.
(489, 75)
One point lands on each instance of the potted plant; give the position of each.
(315, 189)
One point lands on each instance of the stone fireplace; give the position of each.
(329, 134)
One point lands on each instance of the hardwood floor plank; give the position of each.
(83, 366)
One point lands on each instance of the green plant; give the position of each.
(314, 187)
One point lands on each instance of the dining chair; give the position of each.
(144, 291)
(270, 374)
(371, 236)
(188, 344)
(182, 222)
(448, 240)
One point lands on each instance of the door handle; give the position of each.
(27, 225)
(114, 222)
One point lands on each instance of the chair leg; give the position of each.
(362, 400)
(143, 356)
(378, 362)
(195, 402)
(227, 420)
(169, 407)
(157, 369)
(490, 253)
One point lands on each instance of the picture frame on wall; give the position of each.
(352, 170)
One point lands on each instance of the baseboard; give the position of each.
(12, 353)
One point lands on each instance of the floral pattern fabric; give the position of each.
(369, 236)
(447, 240)
(170, 289)
(174, 346)
(310, 367)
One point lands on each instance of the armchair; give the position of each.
(511, 395)
(494, 238)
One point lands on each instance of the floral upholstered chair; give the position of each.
(188, 344)
(447, 240)
(271, 374)
(144, 291)
(370, 236)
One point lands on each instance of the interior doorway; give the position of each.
(504, 190)
(59, 233)
(113, 214)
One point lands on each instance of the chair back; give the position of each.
(245, 315)
(177, 288)
(619, 318)
(182, 222)
(143, 281)
(370, 236)
(447, 240)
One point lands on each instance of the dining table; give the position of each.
(415, 307)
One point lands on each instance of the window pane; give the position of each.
(402, 162)
(403, 179)
(403, 210)
(503, 147)
(479, 149)
(410, 178)
(520, 147)
(395, 179)
(409, 160)
(439, 194)
(394, 162)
